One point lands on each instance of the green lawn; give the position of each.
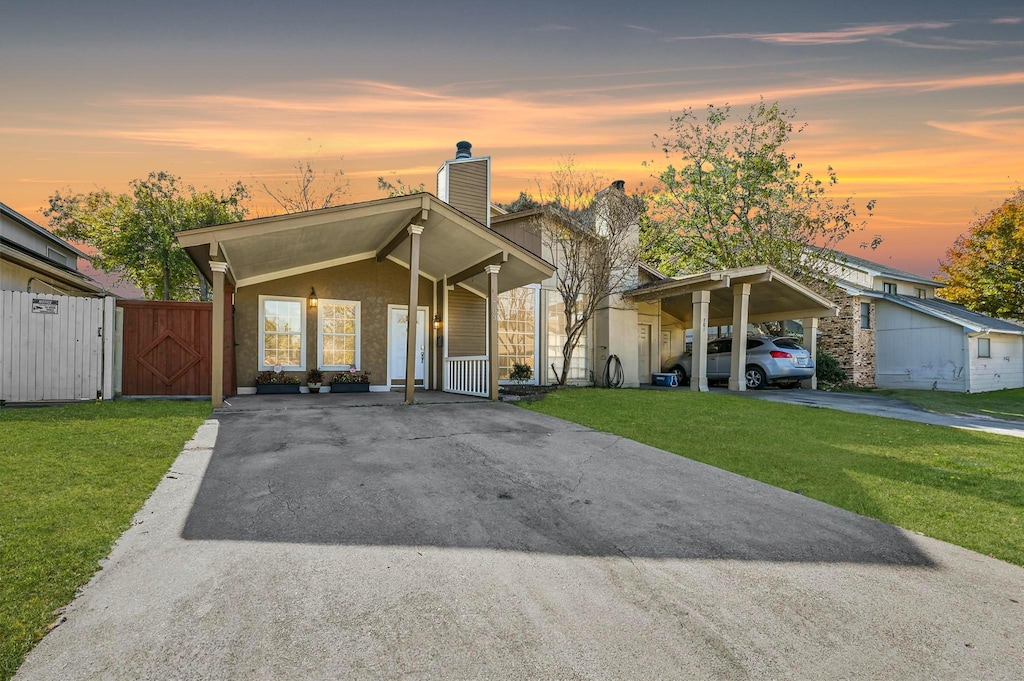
(71, 477)
(960, 486)
(1002, 404)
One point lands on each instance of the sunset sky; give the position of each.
(919, 105)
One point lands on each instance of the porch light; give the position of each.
(313, 300)
(437, 322)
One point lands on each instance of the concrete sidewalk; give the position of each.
(480, 540)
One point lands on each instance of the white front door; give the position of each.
(398, 328)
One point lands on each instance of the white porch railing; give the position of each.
(466, 375)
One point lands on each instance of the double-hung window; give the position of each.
(282, 333)
(338, 335)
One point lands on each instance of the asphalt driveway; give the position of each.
(480, 540)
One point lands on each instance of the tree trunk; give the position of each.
(167, 282)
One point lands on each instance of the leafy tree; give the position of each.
(737, 198)
(305, 194)
(984, 269)
(398, 188)
(590, 232)
(134, 232)
(524, 201)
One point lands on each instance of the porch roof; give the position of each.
(452, 244)
(773, 296)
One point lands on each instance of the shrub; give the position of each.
(271, 377)
(828, 369)
(353, 375)
(521, 372)
(314, 376)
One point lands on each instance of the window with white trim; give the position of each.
(984, 347)
(282, 333)
(338, 334)
(517, 329)
(557, 338)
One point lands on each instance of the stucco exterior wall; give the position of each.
(1004, 369)
(852, 346)
(375, 285)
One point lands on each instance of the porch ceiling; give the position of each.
(280, 246)
(773, 296)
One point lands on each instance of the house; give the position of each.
(34, 260)
(332, 289)
(405, 288)
(894, 332)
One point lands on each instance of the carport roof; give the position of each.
(773, 295)
(452, 244)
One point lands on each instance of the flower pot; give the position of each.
(314, 387)
(350, 387)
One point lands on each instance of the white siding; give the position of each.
(1004, 369)
(918, 351)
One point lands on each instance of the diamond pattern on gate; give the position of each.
(171, 339)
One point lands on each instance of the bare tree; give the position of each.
(591, 234)
(305, 194)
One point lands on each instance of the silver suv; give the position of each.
(769, 360)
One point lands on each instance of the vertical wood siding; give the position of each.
(50, 356)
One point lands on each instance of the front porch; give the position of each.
(372, 263)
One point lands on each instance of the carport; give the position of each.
(736, 297)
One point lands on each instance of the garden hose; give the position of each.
(613, 378)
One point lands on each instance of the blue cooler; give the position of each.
(667, 380)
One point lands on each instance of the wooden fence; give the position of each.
(55, 347)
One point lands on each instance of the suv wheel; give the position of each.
(756, 380)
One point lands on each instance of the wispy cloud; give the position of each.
(1008, 130)
(555, 27)
(1007, 20)
(640, 28)
(842, 36)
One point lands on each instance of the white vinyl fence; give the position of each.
(55, 347)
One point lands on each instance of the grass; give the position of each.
(71, 478)
(1002, 404)
(964, 487)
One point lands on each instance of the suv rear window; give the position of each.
(787, 343)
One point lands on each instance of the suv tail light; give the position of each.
(779, 354)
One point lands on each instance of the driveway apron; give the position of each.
(481, 540)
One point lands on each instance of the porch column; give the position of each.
(492, 329)
(740, 308)
(217, 351)
(811, 343)
(699, 354)
(414, 287)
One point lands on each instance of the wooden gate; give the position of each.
(55, 347)
(167, 345)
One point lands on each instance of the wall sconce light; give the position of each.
(437, 322)
(313, 300)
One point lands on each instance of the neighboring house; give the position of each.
(34, 260)
(893, 332)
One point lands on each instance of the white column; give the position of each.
(740, 308)
(217, 351)
(811, 343)
(414, 289)
(699, 355)
(492, 329)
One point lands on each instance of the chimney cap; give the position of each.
(620, 185)
(463, 149)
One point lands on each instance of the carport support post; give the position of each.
(740, 307)
(699, 354)
(811, 343)
(492, 330)
(414, 288)
(218, 270)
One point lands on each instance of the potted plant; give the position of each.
(351, 381)
(314, 379)
(276, 382)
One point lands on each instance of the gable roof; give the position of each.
(957, 314)
(880, 270)
(46, 234)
